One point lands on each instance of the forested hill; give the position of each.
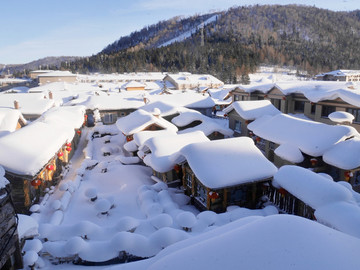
(236, 41)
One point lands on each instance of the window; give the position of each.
(326, 110)
(276, 102)
(109, 118)
(237, 126)
(355, 113)
(188, 178)
(201, 193)
(299, 106)
(236, 98)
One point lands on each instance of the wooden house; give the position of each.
(34, 156)
(141, 120)
(302, 192)
(340, 75)
(217, 174)
(10, 120)
(158, 153)
(56, 76)
(192, 81)
(242, 113)
(134, 86)
(112, 106)
(343, 162)
(10, 257)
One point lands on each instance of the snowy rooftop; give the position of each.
(344, 155)
(208, 125)
(189, 99)
(141, 137)
(162, 148)
(113, 102)
(282, 237)
(28, 103)
(310, 137)
(139, 120)
(253, 109)
(217, 163)
(165, 108)
(9, 119)
(57, 73)
(340, 73)
(334, 203)
(148, 76)
(201, 79)
(27, 150)
(134, 84)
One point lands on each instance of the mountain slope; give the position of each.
(236, 41)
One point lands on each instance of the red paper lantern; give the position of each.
(36, 182)
(50, 167)
(60, 154)
(177, 168)
(213, 195)
(78, 132)
(68, 149)
(128, 139)
(68, 144)
(225, 115)
(283, 98)
(282, 191)
(313, 161)
(258, 139)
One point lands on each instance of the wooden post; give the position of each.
(225, 198)
(207, 199)
(192, 184)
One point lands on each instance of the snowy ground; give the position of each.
(132, 216)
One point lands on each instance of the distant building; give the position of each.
(35, 73)
(57, 76)
(192, 81)
(340, 75)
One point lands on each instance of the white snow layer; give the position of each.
(228, 162)
(253, 109)
(311, 137)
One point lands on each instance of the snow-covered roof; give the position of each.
(228, 162)
(9, 119)
(146, 76)
(316, 91)
(141, 137)
(340, 73)
(194, 79)
(134, 84)
(165, 108)
(341, 117)
(252, 109)
(57, 73)
(189, 99)
(163, 148)
(3, 180)
(139, 120)
(310, 137)
(344, 155)
(208, 125)
(113, 102)
(29, 104)
(283, 238)
(27, 150)
(334, 202)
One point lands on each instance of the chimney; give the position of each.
(50, 95)
(16, 104)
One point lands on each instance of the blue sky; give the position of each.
(38, 28)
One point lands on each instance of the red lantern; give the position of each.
(225, 115)
(313, 161)
(128, 139)
(283, 98)
(85, 116)
(60, 154)
(68, 144)
(213, 195)
(348, 175)
(78, 132)
(177, 168)
(247, 122)
(50, 167)
(35, 183)
(68, 149)
(258, 139)
(282, 191)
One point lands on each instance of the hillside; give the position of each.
(236, 41)
(50, 62)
